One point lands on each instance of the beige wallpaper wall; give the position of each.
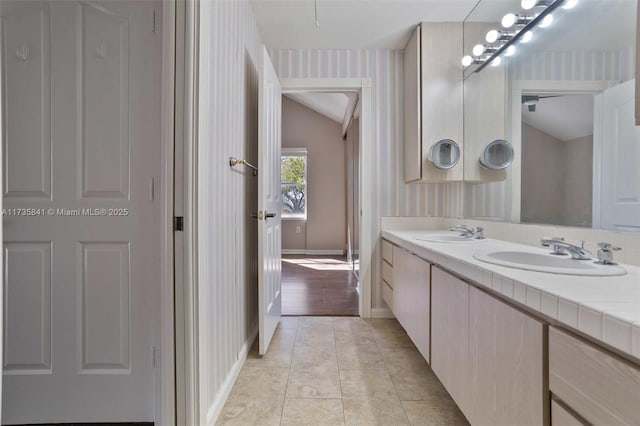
(325, 227)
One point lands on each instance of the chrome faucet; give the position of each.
(605, 254)
(463, 229)
(560, 246)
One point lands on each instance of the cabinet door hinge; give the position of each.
(153, 27)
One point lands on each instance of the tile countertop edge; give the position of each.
(608, 312)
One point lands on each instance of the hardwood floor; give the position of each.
(318, 285)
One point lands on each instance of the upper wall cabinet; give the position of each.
(433, 109)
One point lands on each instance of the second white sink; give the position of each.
(450, 237)
(548, 263)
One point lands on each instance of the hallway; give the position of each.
(339, 371)
(318, 285)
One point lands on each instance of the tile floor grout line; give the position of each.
(335, 342)
(286, 389)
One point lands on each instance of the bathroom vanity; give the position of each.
(513, 346)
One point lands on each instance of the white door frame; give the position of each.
(164, 387)
(368, 197)
(187, 312)
(514, 173)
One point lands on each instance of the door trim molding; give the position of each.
(165, 368)
(520, 87)
(187, 313)
(368, 197)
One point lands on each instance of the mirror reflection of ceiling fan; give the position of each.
(531, 101)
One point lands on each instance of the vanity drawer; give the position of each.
(387, 273)
(387, 295)
(600, 387)
(387, 251)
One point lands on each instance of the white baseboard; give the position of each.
(216, 408)
(381, 313)
(313, 252)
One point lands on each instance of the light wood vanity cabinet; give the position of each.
(600, 387)
(411, 297)
(506, 355)
(433, 99)
(450, 335)
(488, 355)
(387, 273)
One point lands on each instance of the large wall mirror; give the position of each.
(566, 102)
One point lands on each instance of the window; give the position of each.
(293, 174)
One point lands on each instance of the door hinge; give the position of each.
(153, 27)
(178, 223)
(153, 357)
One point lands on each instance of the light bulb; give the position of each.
(492, 36)
(496, 61)
(526, 38)
(569, 4)
(510, 50)
(466, 61)
(509, 20)
(548, 20)
(478, 50)
(528, 4)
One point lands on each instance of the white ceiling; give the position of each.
(329, 104)
(564, 117)
(350, 24)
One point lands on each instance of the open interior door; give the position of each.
(620, 208)
(269, 203)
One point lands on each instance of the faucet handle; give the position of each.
(547, 241)
(479, 233)
(608, 247)
(605, 253)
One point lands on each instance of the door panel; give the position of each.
(27, 102)
(27, 339)
(82, 273)
(620, 208)
(269, 202)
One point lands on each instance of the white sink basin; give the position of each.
(548, 263)
(450, 237)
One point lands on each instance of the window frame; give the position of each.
(296, 152)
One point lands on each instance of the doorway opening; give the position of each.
(320, 194)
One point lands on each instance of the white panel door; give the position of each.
(80, 152)
(620, 190)
(269, 202)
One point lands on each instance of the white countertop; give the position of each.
(605, 308)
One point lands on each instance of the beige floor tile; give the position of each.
(288, 323)
(380, 323)
(352, 323)
(374, 412)
(359, 357)
(435, 412)
(314, 357)
(243, 411)
(362, 337)
(411, 375)
(254, 382)
(366, 384)
(277, 356)
(313, 412)
(389, 338)
(317, 382)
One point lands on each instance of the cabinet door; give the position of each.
(411, 297)
(450, 334)
(412, 115)
(506, 364)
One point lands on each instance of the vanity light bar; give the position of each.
(517, 26)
